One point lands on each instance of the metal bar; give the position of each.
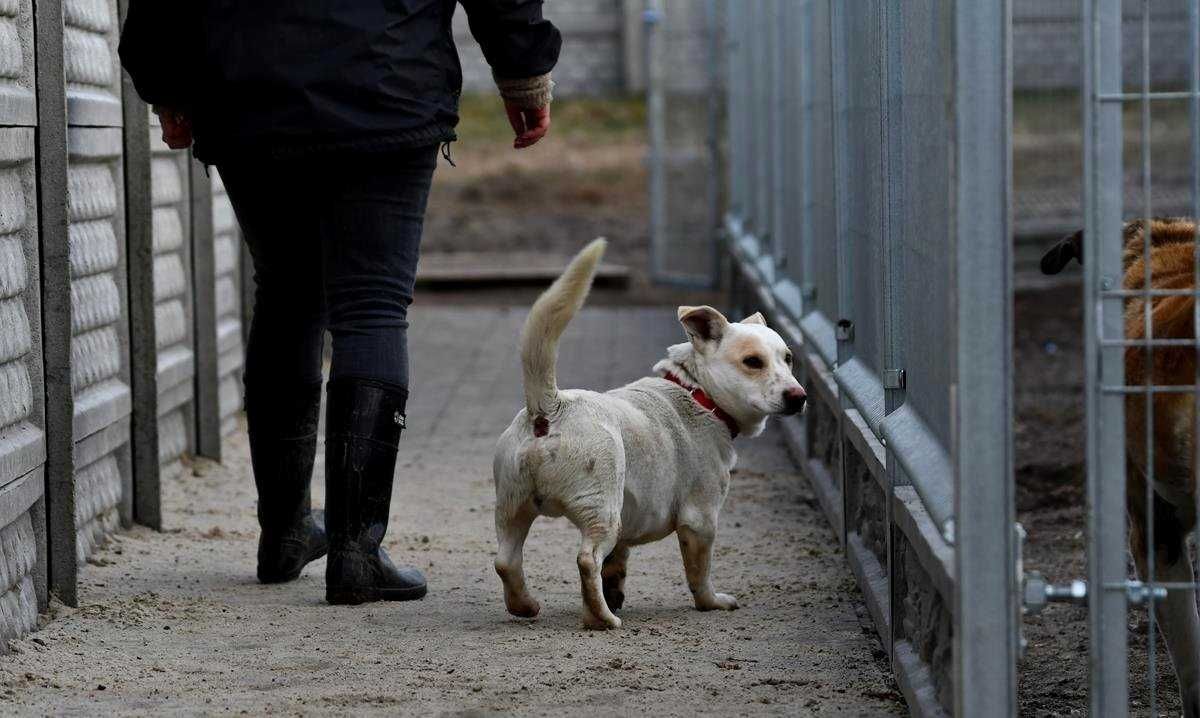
(1150, 96)
(1103, 202)
(652, 22)
(143, 344)
(1147, 343)
(1169, 585)
(1194, 116)
(1147, 293)
(1148, 331)
(204, 316)
(890, 30)
(1151, 390)
(712, 30)
(987, 607)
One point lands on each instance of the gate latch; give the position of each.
(1038, 592)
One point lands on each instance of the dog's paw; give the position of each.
(614, 597)
(717, 602)
(600, 623)
(527, 608)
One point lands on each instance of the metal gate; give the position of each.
(1123, 91)
(868, 214)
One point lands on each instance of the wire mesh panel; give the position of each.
(684, 111)
(818, 227)
(1141, 326)
(869, 215)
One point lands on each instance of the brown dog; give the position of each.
(1172, 266)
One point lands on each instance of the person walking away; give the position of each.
(324, 120)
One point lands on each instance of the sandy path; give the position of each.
(174, 622)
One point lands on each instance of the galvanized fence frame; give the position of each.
(864, 141)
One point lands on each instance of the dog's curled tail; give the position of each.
(547, 319)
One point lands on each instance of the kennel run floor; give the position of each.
(174, 621)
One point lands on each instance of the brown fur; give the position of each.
(1172, 265)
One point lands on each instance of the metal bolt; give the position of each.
(1106, 282)
(845, 330)
(948, 532)
(1139, 593)
(894, 379)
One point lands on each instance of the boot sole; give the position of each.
(357, 596)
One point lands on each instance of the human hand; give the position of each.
(176, 128)
(529, 125)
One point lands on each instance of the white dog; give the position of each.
(635, 464)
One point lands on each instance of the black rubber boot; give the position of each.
(283, 445)
(364, 419)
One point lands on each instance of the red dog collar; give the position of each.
(706, 401)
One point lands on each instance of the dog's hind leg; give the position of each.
(600, 535)
(511, 530)
(1178, 620)
(696, 545)
(613, 574)
(1180, 626)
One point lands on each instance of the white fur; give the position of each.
(634, 464)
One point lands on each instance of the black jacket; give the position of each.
(283, 77)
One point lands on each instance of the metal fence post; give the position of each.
(1103, 204)
(986, 609)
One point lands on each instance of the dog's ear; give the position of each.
(1068, 248)
(755, 318)
(704, 325)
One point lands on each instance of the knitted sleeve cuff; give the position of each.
(530, 93)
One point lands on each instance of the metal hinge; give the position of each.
(845, 330)
(893, 379)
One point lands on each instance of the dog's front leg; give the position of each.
(1180, 626)
(696, 545)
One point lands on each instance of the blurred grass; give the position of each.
(598, 120)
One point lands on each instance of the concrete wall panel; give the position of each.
(172, 247)
(90, 63)
(226, 259)
(100, 335)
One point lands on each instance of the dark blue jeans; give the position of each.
(335, 242)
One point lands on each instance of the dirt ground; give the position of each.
(174, 622)
(1050, 440)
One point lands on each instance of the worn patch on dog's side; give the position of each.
(541, 426)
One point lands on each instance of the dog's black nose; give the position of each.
(793, 400)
